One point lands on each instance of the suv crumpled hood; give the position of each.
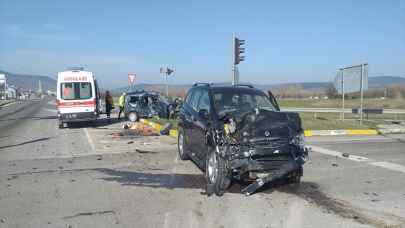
(264, 126)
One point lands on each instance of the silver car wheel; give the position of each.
(212, 168)
(181, 144)
(133, 116)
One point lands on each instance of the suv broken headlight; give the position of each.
(298, 140)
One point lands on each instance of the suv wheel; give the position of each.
(181, 145)
(216, 174)
(295, 177)
(60, 123)
(133, 116)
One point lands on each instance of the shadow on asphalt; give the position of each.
(308, 191)
(172, 181)
(27, 142)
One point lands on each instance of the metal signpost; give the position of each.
(352, 79)
(131, 80)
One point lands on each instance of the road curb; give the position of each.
(392, 131)
(7, 103)
(308, 133)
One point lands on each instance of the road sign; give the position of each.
(131, 78)
(354, 78)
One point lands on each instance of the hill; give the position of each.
(384, 81)
(378, 82)
(30, 82)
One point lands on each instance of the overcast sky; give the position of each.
(286, 41)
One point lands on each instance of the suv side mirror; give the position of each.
(203, 113)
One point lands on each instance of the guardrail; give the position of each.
(337, 110)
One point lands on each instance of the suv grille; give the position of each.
(265, 143)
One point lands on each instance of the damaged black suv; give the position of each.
(239, 133)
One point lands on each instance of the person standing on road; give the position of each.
(109, 104)
(121, 102)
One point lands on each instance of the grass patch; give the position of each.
(332, 121)
(337, 103)
(325, 121)
(295, 103)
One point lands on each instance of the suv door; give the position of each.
(201, 125)
(193, 141)
(186, 118)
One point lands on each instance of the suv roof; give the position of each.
(219, 87)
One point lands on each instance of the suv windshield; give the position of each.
(76, 91)
(240, 101)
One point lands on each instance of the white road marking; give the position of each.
(166, 223)
(174, 171)
(390, 166)
(295, 214)
(90, 140)
(338, 154)
(382, 164)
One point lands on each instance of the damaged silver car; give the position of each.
(239, 133)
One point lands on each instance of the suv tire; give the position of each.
(295, 177)
(216, 174)
(60, 123)
(182, 145)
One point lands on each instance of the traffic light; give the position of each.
(169, 71)
(238, 51)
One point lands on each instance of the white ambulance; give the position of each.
(77, 97)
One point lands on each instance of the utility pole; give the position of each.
(236, 57)
(40, 87)
(361, 92)
(343, 94)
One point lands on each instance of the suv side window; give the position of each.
(204, 102)
(189, 97)
(196, 97)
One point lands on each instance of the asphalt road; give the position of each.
(88, 177)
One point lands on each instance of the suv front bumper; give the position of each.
(267, 160)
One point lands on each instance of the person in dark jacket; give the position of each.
(109, 104)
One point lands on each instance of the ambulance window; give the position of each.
(67, 91)
(85, 90)
(76, 91)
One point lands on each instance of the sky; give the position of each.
(286, 41)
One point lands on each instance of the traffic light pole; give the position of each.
(234, 82)
(167, 85)
(237, 50)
